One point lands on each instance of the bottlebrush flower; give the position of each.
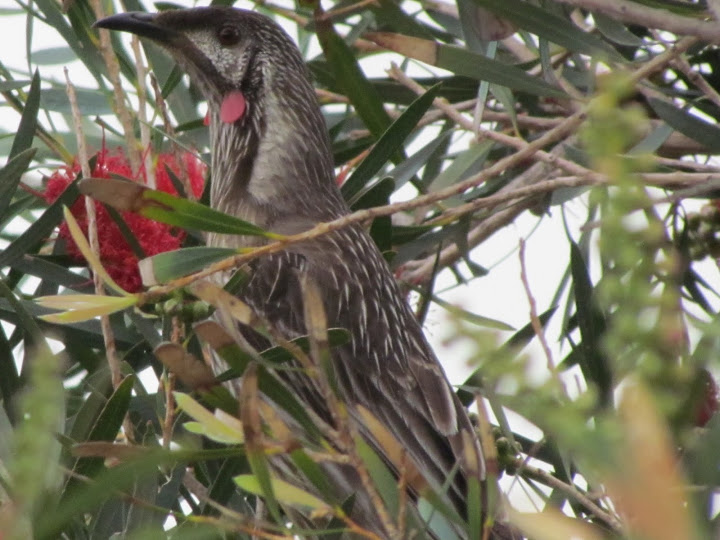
(115, 253)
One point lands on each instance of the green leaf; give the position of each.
(474, 318)
(392, 15)
(28, 122)
(544, 23)
(220, 427)
(112, 480)
(92, 258)
(83, 307)
(464, 62)
(312, 472)
(376, 195)
(591, 322)
(389, 143)
(75, 35)
(107, 425)
(404, 171)
(352, 80)
(10, 176)
(616, 31)
(25, 319)
(517, 341)
(286, 493)
(7, 86)
(40, 230)
(165, 208)
(252, 429)
(476, 502)
(238, 360)
(383, 479)
(463, 166)
(688, 124)
(164, 267)
(53, 56)
(34, 465)
(88, 332)
(90, 102)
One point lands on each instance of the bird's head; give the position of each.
(265, 120)
(224, 50)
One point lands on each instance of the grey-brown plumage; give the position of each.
(273, 167)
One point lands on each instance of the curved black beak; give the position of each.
(139, 23)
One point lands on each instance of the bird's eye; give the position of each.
(228, 36)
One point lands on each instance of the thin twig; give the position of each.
(178, 152)
(697, 79)
(141, 71)
(636, 13)
(340, 12)
(545, 477)
(369, 214)
(419, 270)
(402, 495)
(83, 158)
(534, 319)
(672, 180)
(113, 72)
(169, 420)
(322, 229)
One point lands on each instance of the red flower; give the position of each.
(115, 253)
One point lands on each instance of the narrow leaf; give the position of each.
(170, 265)
(286, 493)
(90, 257)
(389, 143)
(6, 86)
(165, 208)
(25, 319)
(464, 62)
(28, 121)
(90, 102)
(220, 427)
(77, 301)
(591, 322)
(546, 24)
(351, 79)
(221, 299)
(10, 176)
(252, 431)
(688, 124)
(107, 425)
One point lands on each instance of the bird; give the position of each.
(272, 165)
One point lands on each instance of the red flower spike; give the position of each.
(115, 253)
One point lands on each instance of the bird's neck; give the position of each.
(275, 162)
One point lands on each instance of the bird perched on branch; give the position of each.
(272, 165)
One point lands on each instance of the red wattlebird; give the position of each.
(272, 165)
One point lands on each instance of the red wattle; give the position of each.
(233, 107)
